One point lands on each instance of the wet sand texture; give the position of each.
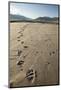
(33, 54)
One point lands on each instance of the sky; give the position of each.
(34, 10)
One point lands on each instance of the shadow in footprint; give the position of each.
(18, 40)
(53, 52)
(35, 73)
(37, 52)
(19, 52)
(25, 46)
(24, 56)
(21, 34)
(19, 31)
(21, 69)
(50, 53)
(18, 37)
(22, 42)
(29, 74)
(20, 62)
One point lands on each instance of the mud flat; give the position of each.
(33, 54)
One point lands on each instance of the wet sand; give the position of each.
(33, 46)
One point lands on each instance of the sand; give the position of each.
(36, 44)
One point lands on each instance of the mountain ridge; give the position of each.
(15, 18)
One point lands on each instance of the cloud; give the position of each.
(14, 10)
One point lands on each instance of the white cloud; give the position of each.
(14, 10)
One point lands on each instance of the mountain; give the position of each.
(47, 19)
(18, 18)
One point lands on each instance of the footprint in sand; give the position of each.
(51, 53)
(25, 46)
(21, 34)
(19, 52)
(18, 40)
(24, 56)
(20, 62)
(18, 37)
(22, 42)
(31, 74)
(21, 69)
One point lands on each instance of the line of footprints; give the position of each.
(30, 74)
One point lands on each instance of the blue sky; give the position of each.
(34, 10)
